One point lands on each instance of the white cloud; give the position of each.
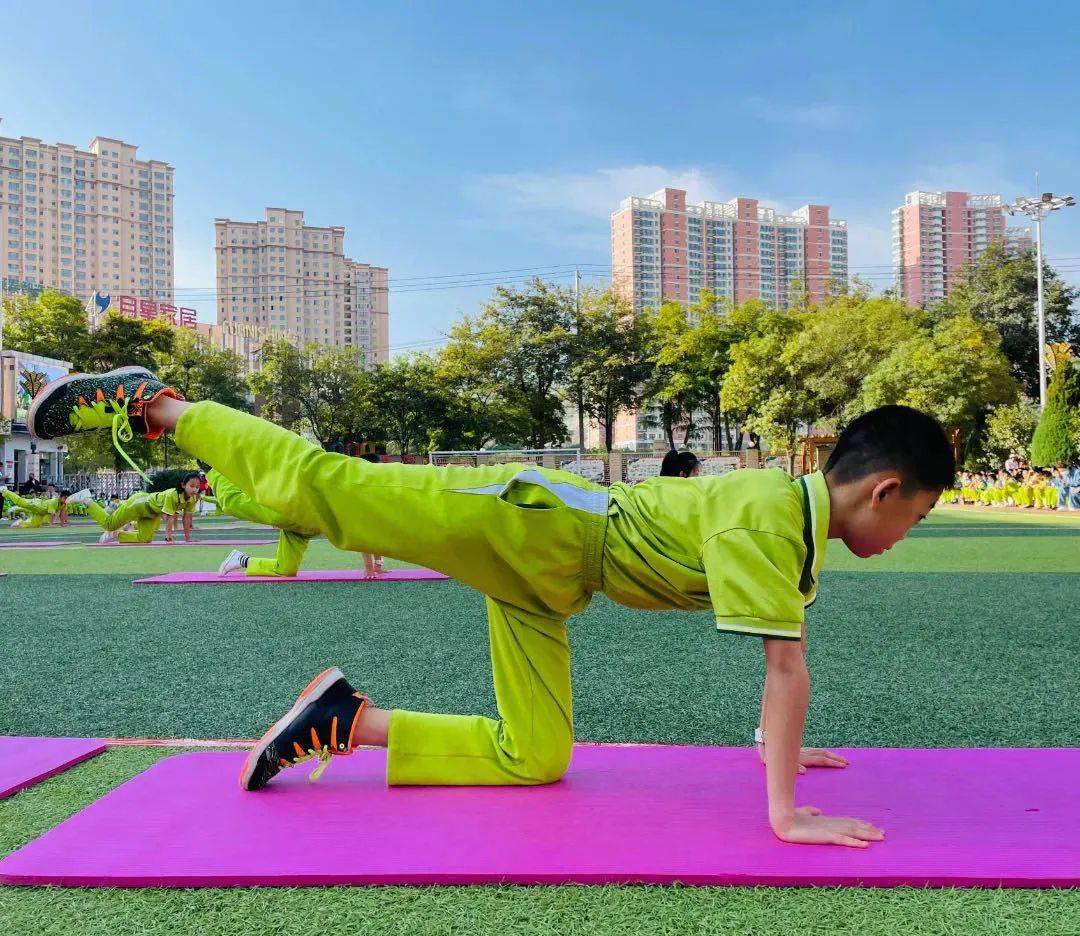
(593, 194)
(812, 114)
(571, 209)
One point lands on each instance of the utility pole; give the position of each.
(1037, 209)
(579, 389)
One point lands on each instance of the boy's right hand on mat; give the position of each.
(807, 826)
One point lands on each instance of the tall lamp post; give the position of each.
(1037, 209)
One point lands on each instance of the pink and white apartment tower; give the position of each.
(662, 248)
(935, 235)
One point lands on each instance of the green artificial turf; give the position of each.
(897, 659)
(965, 634)
(138, 561)
(479, 911)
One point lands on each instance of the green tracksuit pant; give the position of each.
(292, 541)
(531, 540)
(135, 510)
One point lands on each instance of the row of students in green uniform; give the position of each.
(748, 546)
(1031, 487)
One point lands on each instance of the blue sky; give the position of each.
(456, 138)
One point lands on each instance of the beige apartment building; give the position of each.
(283, 275)
(85, 221)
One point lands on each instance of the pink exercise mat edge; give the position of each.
(32, 544)
(435, 811)
(66, 753)
(314, 575)
(197, 542)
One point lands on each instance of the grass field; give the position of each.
(965, 634)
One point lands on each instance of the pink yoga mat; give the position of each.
(317, 575)
(198, 542)
(26, 761)
(31, 544)
(626, 814)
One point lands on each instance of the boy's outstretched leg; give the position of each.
(528, 537)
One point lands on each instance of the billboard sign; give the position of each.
(146, 309)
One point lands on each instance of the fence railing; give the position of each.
(614, 467)
(105, 483)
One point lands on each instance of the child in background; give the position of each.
(292, 539)
(39, 511)
(680, 465)
(747, 546)
(145, 511)
(372, 563)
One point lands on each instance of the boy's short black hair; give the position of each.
(898, 438)
(65, 493)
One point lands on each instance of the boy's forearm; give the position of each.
(787, 694)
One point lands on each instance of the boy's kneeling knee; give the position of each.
(548, 765)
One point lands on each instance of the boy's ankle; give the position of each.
(373, 728)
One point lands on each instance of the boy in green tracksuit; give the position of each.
(748, 545)
(40, 510)
(292, 539)
(145, 510)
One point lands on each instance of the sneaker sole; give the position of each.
(51, 387)
(312, 692)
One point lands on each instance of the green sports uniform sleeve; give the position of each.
(170, 503)
(753, 580)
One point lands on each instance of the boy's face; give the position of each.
(883, 514)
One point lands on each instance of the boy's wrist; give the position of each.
(780, 817)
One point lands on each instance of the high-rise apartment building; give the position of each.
(662, 248)
(284, 275)
(935, 235)
(85, 221)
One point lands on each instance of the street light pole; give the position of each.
(1041, 310)
(1037, 209)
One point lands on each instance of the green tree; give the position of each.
(514, 356)
(409, 404)
(1000, 290)
(844, 339)
(670, 383)
(957, 372)
(279, 383)
(52, 325)
(200, 372)
(119, 341)
(322, 390)
(767, 381)
(1010, 429)
(612, 359)
(469, 367)
(1055, 439)
(337, 398)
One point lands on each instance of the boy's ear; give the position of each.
(883, 488)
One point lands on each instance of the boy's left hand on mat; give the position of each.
(812, 757)
(819, 757)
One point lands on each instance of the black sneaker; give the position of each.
(81, 402)
(320, 724)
